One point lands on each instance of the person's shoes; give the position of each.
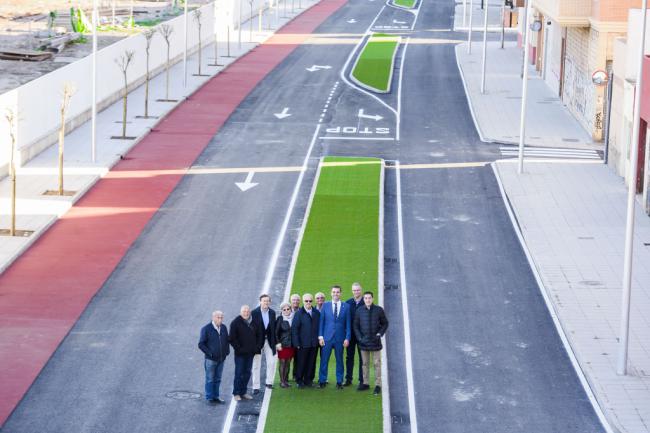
(348, 382)
(248, 396)
(219, 401)
(377, 390)
(269, 386)
(211, 401)
(363, 387)
(286, 385)
(322, 384)
(256, 391)
(237, 398)
(339, 386)
(309, 385)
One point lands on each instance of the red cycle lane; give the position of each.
(45, 291)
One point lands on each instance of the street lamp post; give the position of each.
(93, 122)
(185, 50)
(485, 28)
(629, 226)
(524, 92)
(469, 33)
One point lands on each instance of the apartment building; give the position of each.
(575, 39)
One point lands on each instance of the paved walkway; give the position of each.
(494, 16)
(549, 123)
(44, 288)
(36, 212)
(572, 216)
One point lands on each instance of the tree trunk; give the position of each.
(124, 107)
(61, 138)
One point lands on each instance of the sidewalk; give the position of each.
(478, 17)
(36, 212)
(549, 123)
(572, 217)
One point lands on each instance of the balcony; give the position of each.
(568, 13)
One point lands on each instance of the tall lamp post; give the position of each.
(629, 225)
(524, 91)
(185, 49)
(485, 29)
(469, 33)
(93, 121)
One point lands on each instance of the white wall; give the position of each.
(553, 62)
(633, 41)
(37, 102)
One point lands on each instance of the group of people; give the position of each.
(296, 336)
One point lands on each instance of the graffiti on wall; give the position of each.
(580, 96)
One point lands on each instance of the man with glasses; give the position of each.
(304, 330)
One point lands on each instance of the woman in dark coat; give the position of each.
(285, 348)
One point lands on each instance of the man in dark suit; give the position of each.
(213, 342)
(353, 350)
(244, 338)
(264, 318)
(304, 331)
(334, 334)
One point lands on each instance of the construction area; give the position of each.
(40, 36)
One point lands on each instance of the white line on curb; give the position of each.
(551, 309)
(405, 310)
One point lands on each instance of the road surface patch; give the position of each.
(340, 245)
(374, 66)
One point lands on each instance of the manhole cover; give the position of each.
(183, 395)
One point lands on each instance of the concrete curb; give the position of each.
(596, 404)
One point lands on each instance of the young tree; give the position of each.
(166, 31)
(148, 37)
(123, 62)
(216, 36)
(68, 91)
(250, 22)
(11, 119)
(197, 17)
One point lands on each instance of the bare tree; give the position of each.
(197, 16)
(166, 31)
(11, 119)
(148, 37)
(68, 91)
(250, 23)
(123, 62)
(216, 35)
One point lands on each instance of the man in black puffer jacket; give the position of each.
(245, 336)
(370, 324)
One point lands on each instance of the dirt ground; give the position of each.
(24, 23)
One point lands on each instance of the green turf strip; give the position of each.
(374, 67)
(405, 3)
(340, 245)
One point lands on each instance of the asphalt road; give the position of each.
(486, 356)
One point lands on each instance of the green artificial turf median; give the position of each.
(340, 245)
(404, 3)
(374, 68)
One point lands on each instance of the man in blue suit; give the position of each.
(333, 333)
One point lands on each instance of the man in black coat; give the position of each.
(245, 336)
(355, 302)
(370, 324)
(264, 318)
(304, 333)
(213, 342)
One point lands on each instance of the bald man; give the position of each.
(213, 342)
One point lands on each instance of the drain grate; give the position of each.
(399, 418)
(391, 286)
(390, 260)
(183, 395)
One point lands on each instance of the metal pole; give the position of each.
(464, 12)
(631, 192)
(503, 22)
(524, 93)
(610, 87)
(485, 26)
(185, 50)
(216, 36)
(93, 122)
(239, 25)
(469, 33)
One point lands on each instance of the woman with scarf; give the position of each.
(286, 350)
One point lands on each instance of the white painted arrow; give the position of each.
(283, 114)
(399, 22)
(376, 117)
(315, 68)
(352, 21)
(247, 184)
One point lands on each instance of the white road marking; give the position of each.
(284, 113)
(357, 138)
(247, 184)
(399, 22)
(315, 68)
(405, 310)
(352, 21)
(269, 276)
(375, 117)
